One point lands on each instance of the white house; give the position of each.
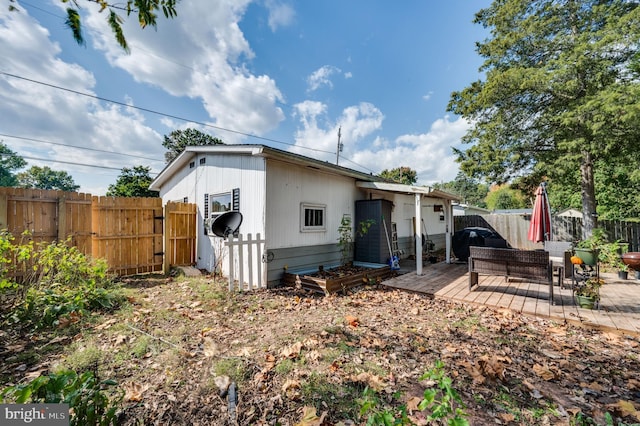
(296, 204)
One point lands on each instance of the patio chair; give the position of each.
(560, 255)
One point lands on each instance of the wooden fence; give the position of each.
(135, 235)
(514, 228)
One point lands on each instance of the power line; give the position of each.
(79, 147)
(177, 117)
(158, 112)
(72, 163)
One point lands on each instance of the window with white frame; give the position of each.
(312, 217)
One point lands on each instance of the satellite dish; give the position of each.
(227, 223)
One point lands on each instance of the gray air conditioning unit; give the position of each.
(224, 225)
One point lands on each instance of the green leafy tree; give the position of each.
(147, 11)
(133, 182)
(404, 175)
(505, 197)
(560, 92)
(618, 190)
(179, 139)
(46, 178)
(9, 162)
(471, 191)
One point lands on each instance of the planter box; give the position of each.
(308, 281)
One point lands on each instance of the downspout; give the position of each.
(418, 234)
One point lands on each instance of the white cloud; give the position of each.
(318, 132)
(427, 96)
(49, 114)
(321, 77)
(429, 154)
(203, 62)
(280, 14)
(348, 75)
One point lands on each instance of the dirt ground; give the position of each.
(181, 346)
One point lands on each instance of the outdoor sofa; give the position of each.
(530, 264)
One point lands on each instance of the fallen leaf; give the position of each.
(351, 320)
(507, 417)
(290, 388)
(210, 347)
(313, 356)
(627, 409)
(222, 382)
(371, 380)
(105, 324)
(544, 372)
(292, 351)
(412, 404)
(310, 418)
(133, 391)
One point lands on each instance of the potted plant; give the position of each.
(588, 292)
(623, 271)
(588, 249)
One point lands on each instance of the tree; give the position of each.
(560, 93)
(505, 197)
(9, 162)
(146, 9)
(471, 191)
(179, 139)
(133, 182)
(404, 175)
(46, 178)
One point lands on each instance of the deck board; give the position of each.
(619, 307)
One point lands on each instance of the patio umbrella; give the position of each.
(540, 226)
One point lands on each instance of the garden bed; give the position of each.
(337, 278)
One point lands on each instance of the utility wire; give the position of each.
(79, 147)
(73, 163)
(158, 112)
(171, 116)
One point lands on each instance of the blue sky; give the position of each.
(290, 73)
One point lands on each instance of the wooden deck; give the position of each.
(619, 307)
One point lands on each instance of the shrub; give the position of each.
(84, 393)
(58, 284)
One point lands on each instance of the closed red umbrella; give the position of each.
(540, 226)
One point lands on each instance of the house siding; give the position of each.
(288, 186)
(219, 174)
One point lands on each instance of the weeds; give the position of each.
(441, 403)
(53, 285)
(88, 402)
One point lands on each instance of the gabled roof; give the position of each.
(363, 180)
(190, 152)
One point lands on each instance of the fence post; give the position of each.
(62, 219)
(166, 244)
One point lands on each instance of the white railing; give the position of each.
(246, 271)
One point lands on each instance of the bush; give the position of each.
(56, 284)
(84, 393)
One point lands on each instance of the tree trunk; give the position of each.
(588, 192)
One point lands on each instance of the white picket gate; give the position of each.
(246, 269)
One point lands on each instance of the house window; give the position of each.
(220, 203)
(312, 217)
(192, 164)
(203, 160)
(185, 200)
